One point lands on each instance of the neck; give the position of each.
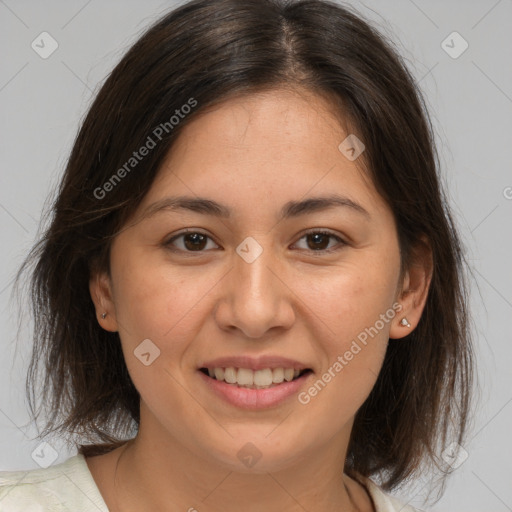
(150, 475)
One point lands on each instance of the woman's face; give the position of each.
(260, 282)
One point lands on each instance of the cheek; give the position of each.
(350, 298)
(159, 301)
(354, 304)
(352, 337)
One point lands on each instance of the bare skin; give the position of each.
(253, 155)
(105, 471)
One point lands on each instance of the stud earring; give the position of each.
(103, 315)
(405, 322)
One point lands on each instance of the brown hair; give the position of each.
(200, 54)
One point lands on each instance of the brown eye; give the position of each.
(318, 241)
(194, 241)
(191, 241)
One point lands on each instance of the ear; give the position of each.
(100, 287)
(414, 289)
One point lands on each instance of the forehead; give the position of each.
(265, 120)
(281, 143)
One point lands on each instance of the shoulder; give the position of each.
(68, 486)
(383, 501)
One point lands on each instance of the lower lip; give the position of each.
(255, 399)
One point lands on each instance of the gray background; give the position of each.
(470, 98)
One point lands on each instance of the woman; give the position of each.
(251, 294)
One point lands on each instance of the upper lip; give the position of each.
(254, 363)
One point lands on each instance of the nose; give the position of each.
(256, 296)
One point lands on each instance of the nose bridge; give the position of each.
(258, 299)
(253, 277)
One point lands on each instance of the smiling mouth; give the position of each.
(260, 379)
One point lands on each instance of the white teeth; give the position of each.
(245, 377)
(258, 379)
(277, 375)
(263, 377)
(230, 375)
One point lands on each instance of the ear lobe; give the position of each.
(100, 289)
(414, 291)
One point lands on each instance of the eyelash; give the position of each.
(341, 242)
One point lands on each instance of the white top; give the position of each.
(70, 487)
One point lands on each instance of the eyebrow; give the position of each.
(291, 209)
